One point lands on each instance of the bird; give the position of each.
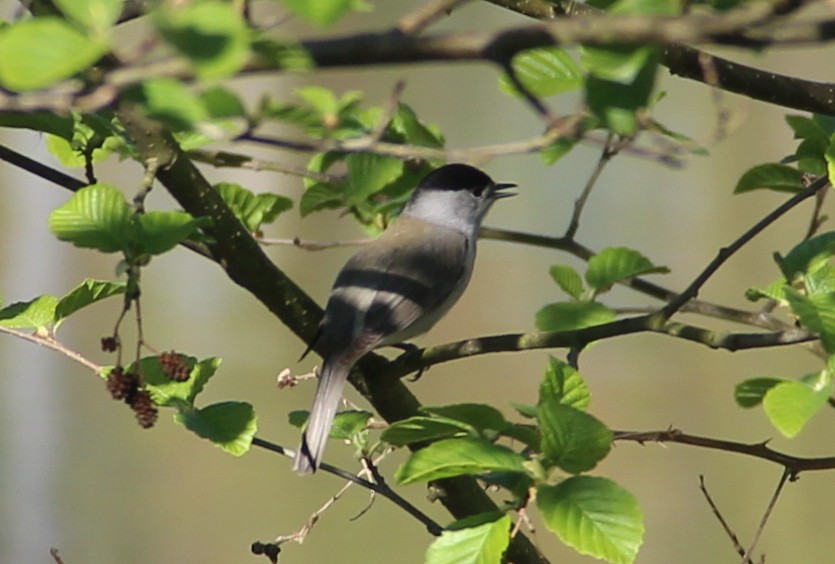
(398, 286)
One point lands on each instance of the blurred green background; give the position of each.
(78, 474)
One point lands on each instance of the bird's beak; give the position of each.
(497, 194)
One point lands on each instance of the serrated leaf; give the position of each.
(168, 393)
(456, 457)
(162, 231)
(87, 293)
(774, 291)
(616, 264)
(770, 176)
(565, 384)
(212, 34)
(802, 255)
(41, 51)
(347, 424)
(595, 516)
(750, 393)
(95, 217)
(420, 429)
(568, 316)
(816, 313)
(96, 15)
(252, 210)
(544, 71)
(568, 280)
(414, 132)
(482, 544)
(229, 425)
(572, 439)
(38, 314)
(320, 196)
(790, 405)
(369, 173)
(477, 415)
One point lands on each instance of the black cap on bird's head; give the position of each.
(459, 176)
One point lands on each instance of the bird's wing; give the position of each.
(412, 269)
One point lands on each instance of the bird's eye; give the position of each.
(479, 190)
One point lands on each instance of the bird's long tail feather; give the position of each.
(315, 436)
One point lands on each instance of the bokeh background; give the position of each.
(78, 474)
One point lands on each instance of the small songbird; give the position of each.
(398, 286)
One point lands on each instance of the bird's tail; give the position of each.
(315, 436)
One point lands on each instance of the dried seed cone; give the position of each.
(144, 408)
(174, 366)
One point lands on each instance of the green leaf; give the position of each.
(573, 440)
(349, 423)
(40, 51)
(816, 313)
(162, 231)
(170, 101)
(568, 280)
(619, 63)
(595, 516)
(95, 217)
(790, 405)
(774, 291)
(649, 7)
(321, 13)
(412, 131)
(797, 261)
(565, 385)
(770, 176)
(168, 393)
(477, 415)
(616, 102)
(829, 157)
(283, 54)
(454, 457)
(557, 150)
(568, 316)
(807, 128)
(87, 293)
(221, 102)
(616, 264)
(321, 196)
(229, 425)
(369, 173)
(253, 211)
(544, 71)
(38, 314)
(96, 15)
(211, 33)
(482, 544)
(61, 126)
(419, 429)
(750, 393)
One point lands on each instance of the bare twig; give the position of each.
(383, 490)
(794, 465)
(725, 253)
(376, 134)
(308, 245)
(787, 474)
(609, 151)
(728, 531)
(50, 343)
(419, 20)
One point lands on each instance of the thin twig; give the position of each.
(609, 151)
(419, 20)
(389, 110)
(51, 343)
(772, 502)
(728, 531)
(725, 253)
(383, 490)
(41, 170)
(227, 159)
(794, 465)
(309, 245)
